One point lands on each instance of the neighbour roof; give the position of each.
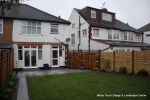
(122, 43)
(24, 11)
(118, 24)
(145, 28)
(5, 45)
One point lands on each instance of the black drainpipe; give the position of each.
(79, 34)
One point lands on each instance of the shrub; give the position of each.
(122, 69)
(107, 65)
(142, 72)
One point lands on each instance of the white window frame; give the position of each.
(25, 27)
(94, 32)
(84, 33)
(21, 53)
(1, 22)
(55, 26)
(93, 14)
(110, 34)
(72, 39)
(130, 34)
(125, 33)
(40, 51)
(115, 35)
(106, 17)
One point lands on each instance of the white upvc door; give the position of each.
(30, 58)
(55, 56)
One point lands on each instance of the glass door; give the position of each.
(30, 58)
(55, 58)
(27, 58)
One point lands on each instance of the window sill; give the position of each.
(54, 33)
(31, 34)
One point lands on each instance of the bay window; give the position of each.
(95, 32)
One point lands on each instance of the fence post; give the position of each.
(132, 61)
(99, 54)
(114, 60)
(81, 65)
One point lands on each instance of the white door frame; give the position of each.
(57, 58)
(30, 56)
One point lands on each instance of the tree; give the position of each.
(7, 4)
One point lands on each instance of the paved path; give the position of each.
(22, 85)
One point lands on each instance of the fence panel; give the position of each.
(6, 66)
(133, 61)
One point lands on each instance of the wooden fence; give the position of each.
(6, 66)
(133, 61)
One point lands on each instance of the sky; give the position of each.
(134, 12)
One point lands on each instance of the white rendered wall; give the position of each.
(45, 35)
(74, 19)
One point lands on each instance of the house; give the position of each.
(37, 38)
(98, 29)
(146, 30)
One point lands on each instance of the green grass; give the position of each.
(86, 86)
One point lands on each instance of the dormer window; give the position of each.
(106, 17)
(93, 14)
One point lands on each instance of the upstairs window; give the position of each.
(130, 36)
(93, 14)
(107, 17)
(96, 32)
(125, 36)
(73, 39)
(31, 27)
(109, 34)
(54, 28)
(84, 33)
(113, 34)
(1, 26)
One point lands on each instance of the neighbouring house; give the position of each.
(37, 37)
(146, 30)
(98, 29)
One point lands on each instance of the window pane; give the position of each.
(38, 23)
(72, 38)
(1, 28)
(106, 17)
(19, 47)
(125, 36)
(54, 28)
(33, 30)
(28, 29)
(39, 52)
(60, 51)
(109, 34)
(29, 23)
(19, 54)
(33, 23)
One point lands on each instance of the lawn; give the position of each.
(86, 86)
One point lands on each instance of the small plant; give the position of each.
(123, 70)
(142, 72)
(103, 70)
(107, 65)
